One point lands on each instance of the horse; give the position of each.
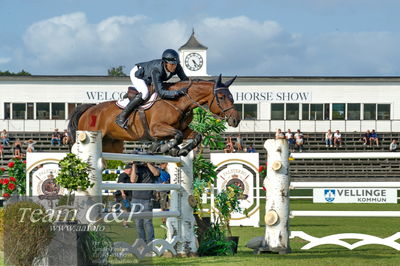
(166, 123)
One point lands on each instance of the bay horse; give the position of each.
(166, 120)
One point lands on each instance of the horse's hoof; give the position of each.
(173, 152)
(183, 152)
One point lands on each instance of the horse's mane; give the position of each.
(180, 84)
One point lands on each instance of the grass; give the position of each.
(316, 226)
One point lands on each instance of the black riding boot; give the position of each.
(122, 118)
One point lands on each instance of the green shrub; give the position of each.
(24, 238)
(215, 242)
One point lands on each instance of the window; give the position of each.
(58, 111)
(317, 112)
(249, 111)
(19, 110)
(338, 111)
(29, 108)
(7, 110)
(383, 111)
(326, 113)
(292, 111)
(277, 111)
(353, 111)
(42, 111)
(369, 111)
(246, 111)
(305, 107)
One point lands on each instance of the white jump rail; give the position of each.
(337, 238)
(140, 158)
(345, 155)
(309, 185)
(180, 223)
(344, 214)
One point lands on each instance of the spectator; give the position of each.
(1, 151)
(373, 138)
(56, 137)
(65, 137)
(4, 138)
(393, 146)
(279, 134)
(239, 143)
(290, 139)
(229, 148)
(366, 137)
(31, 145)
(299, 137)
(17, 148)
(144, 173)
(251, 149)
(163, 196)
(329, 139)
(126, 195)
(337, 138)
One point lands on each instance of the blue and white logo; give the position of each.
(329, 194)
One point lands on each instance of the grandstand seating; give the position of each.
(301, 170)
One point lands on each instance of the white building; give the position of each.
(312, 104)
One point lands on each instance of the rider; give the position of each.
(153, 72)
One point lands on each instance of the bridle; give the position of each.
(215, 97)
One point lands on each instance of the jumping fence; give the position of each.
(180, 220)
(277, 210)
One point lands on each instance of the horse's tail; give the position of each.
(74, 119)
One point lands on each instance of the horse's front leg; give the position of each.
(194, 139)
(164, 131)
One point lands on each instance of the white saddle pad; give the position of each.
(124, 102)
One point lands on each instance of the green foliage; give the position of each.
(204, 172)
(112, 165)
(226, 202)
(97, 246)
(21, 73)
(215, 243)
(26, 235)
(116, 71)
(209, 127)
(17, 169)
(74, 173)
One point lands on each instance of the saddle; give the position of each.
(132, 92)
(151, 99)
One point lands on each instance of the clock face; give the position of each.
(194, 61)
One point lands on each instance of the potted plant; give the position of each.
(204, 172)
(74, 174)
(226, 202)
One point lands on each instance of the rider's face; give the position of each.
(170, 67)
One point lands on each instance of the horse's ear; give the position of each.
(229, 82)
(219, 79)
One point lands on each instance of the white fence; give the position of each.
(180, 223)
(337, 238)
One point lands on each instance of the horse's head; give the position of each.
(222, 102)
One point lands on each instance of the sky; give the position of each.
(245, 38)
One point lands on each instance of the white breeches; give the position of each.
(139, 84)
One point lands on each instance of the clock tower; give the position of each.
(193, 56)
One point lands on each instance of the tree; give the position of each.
(116, 71)
(21, 73)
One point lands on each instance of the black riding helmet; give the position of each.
(170, 56)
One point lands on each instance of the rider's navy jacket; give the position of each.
(154, 72)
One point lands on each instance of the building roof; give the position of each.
(193, 43)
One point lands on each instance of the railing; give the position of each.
(261, 125)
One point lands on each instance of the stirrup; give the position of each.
(121, 124)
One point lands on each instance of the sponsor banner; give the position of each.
(355, 195)
(240, 169)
